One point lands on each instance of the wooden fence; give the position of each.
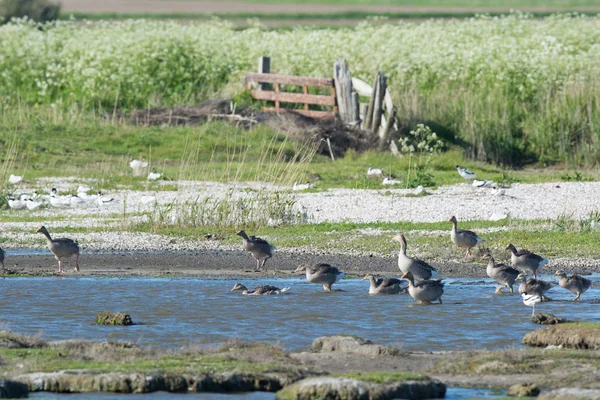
(278, 96)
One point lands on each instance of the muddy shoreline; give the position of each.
(224, 264)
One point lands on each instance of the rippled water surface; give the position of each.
(183, 311)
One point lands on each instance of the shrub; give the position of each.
(37, 10)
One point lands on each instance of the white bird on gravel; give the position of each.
(16, 204)
(483, 184)
(465, 173)
(148, 199)
(303, 186)
(531, 300)
(76, 201)
(390, 181)
(14, 179)
(59, 201)
(137, 166)
(374, 172)
(32, 204)
(104, 200)
(153, 176)
(83, 189)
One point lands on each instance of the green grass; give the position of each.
(385, 377)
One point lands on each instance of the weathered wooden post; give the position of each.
(385, 134)
(369, 114)
(264, 67)
(343, 88)
(379, 93)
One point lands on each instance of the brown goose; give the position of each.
(61, 248)
(503, 274)
(425, 291)
(534, 286)
(419, 268)
(463, 238)
(2, 253)
(323, 274)
(258, 290)
(575, 284)
(526, 260)
(383, 286)
(260, 249)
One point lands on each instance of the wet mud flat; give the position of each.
(222, 263)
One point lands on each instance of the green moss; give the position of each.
(385, 377)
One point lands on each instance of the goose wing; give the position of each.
(388, 282)
(66, 242)
(430, 284)
(529, 254)
(258, 240)
(465, 232)
(423, 264)
(326, 269)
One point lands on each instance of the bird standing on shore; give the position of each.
(61, 248)
(465, 173)
(575, 284)
(323, 274)
(526, 260)
(258, 290)
(260, 249)
(374, 172)
(463, 238)
(419, 268)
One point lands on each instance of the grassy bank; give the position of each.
(512, 90)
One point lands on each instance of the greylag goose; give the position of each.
(419, 268)
(526, 260)
(534, 286)
(465, 173)
(531, 300)
(61, 248)
(503, 274)
(383, 286)
(463, 238)
(575, 284)
(258, 290)
(260, 249)
(323, 274)
(425, 291)
(2, 253)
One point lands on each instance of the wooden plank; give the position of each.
(305, 91)
(289, 79)
(293, 97)
(277, 96)
(309, 113)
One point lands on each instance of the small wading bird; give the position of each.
(374, 172)
(323, 274)
(17, 204)
(426, 291)
(153, 176)
(526, 260)
(260, 249)
(465, 173)
(390, 181)
(383, 286)
(503, 274)
(303, 186)
(419, 268)
(575, 284)
(61, 248)
(463, 238)
(530, 299)
(258, 290)
(137, 166)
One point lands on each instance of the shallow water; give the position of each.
(186, 311)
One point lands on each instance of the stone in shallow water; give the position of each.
(524, 390)
(113, 318)
(354, 389)
(12, 390)
(548, 319)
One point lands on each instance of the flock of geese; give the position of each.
(418, 273)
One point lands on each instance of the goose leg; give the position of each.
(440, 300)
(511, 289)
(77, 262)
(327, 288)
(257, 264)
(533, 312)
(264, 261)
(577, 297)
(60, 270)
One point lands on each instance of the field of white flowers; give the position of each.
(513, 88)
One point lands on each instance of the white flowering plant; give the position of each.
(421, 144)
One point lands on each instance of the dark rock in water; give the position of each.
(351, 344)
(574, 335)
(354, 389)
(12, 390)
(113, 318)
(571, 394)
(548, 319)
(524, 390)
